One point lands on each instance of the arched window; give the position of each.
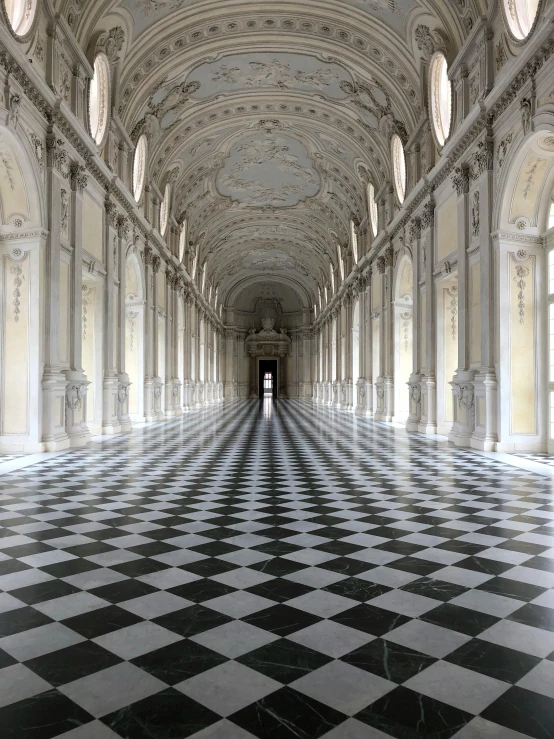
(194, 265)
(440, 97)
(354, 240)
(399, 167)
(164, 210)
(99, 99)
(332, 272)
(341, 264)
(183, 240)
(373, 211)
(21, 15)
(139, 167)
(521, 16)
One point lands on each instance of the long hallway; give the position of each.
(275, 570)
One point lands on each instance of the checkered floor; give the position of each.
(275, 571)
(540, 458)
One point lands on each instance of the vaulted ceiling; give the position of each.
(268, 117)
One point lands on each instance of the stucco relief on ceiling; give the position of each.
(268, 170)
(145, 12)
(285, 72)
(272, 260)
(273, 233)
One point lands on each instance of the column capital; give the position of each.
(460, 180)
(79, 178)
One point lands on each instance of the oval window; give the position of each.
(373, 210)
(21, 15)
(440, 96)
(99, 99)
(164, 210)
(521, 16)
(139, 167)
(399, 167)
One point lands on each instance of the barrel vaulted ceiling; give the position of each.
(269, 117)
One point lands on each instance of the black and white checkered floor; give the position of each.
(277, 571)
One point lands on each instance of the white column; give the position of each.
(54, 382)
(110, 403)
(428, 423)
(414, 418)
(123, 377)
(485, 383)
(76, 380)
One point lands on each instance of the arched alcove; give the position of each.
(524, 253)
(22, 293)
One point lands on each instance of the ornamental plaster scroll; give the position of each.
(64, 212)
(111, 43)
(164, 109)
(502, 149)
(522, 272)
(451, 293)
(415, 392)
(475, 215)
(75, 393)
(429, 41)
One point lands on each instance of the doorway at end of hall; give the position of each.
(268, 378)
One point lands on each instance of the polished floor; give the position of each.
(276, 571)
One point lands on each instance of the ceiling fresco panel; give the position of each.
(272, 71)
(268, 170)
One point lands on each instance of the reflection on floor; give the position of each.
(274, 570)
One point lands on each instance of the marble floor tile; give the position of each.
(233, 576)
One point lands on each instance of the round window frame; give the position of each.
(373, 209)
(164, 210)
(400, 195)
(517, 40)
(138, 191)
(108, 93)
(29, 31)
(432, 64)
